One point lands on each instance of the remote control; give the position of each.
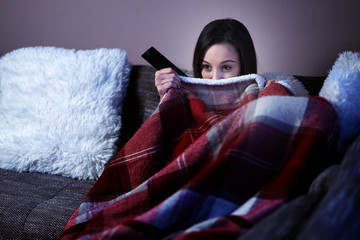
(159, 61)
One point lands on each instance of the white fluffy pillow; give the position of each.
(342, 89)
(60, 109)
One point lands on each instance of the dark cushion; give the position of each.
(37, 205)
(141, 100)
(337, 215)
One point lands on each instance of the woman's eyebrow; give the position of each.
(226, 61)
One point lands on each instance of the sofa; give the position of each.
(37, 205)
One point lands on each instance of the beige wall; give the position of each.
(294, 36)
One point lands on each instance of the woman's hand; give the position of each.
(165, 79)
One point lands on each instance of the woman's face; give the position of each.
(220, 61)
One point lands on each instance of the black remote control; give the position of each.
(159, 61)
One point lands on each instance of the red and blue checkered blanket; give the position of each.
(209, 163)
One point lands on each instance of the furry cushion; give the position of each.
(342, 89)
(60, 109)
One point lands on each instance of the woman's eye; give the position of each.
(227, 68)
(206, 67)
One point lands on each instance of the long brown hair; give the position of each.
(228, 31)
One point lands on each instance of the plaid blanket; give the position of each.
(209, 163)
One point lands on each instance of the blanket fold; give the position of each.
(209, 163)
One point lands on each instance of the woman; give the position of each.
(224, 49)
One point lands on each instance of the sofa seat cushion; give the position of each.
(37, 205)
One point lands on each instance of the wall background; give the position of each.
(298, 37)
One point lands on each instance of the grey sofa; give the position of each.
(37, 205)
